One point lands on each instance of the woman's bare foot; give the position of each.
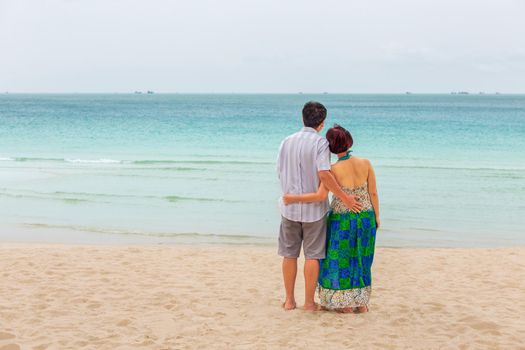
(361, 309)
(312, 307)
(289, 305)
(346, 310)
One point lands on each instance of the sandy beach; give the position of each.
(179, 297)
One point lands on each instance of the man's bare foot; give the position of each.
(289, 305)
(361, 309)
(312, 307)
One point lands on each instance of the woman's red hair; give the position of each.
(339, 139)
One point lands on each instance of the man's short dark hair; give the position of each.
(314, 114)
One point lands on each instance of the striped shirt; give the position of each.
(301, 156)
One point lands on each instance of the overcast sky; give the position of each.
(262, 46)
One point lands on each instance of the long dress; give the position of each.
(345, 278)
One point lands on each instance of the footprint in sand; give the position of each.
(169, 306)
(400, 321)
(94, 305)
(10, 347)
(123, 323)
(5, 336)
(481, 325)
(41, 306)
(435, 307)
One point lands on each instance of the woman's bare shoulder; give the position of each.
(361, 160)
(363, 163)
(335, 168)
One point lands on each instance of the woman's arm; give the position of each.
(372, 191)
(318, 196)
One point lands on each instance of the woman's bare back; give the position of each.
(352, 172)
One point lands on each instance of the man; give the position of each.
(304, 161)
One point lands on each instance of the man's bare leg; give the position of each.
(289, 275)
(311, 274)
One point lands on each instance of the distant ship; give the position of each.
(408, 93)
(149, 92)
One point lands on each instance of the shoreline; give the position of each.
(205, 245)
(173, 297)
(32, 234)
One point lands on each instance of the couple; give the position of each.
(338, 239)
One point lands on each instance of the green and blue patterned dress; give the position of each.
(345, 278)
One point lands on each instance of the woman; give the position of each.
(345, 274)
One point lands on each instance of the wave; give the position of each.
(102, 195)
(76, 197)
(439, 167)
(32, 159)
(37, 159)
(154, 176)
(199, 162)
(195, 235)
(176, 168)
(104, 161)
(185, 165)
(137, 162)
(180, 198)
(37, 196)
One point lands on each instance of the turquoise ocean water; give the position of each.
(201, 168)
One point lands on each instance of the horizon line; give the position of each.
(139, 92)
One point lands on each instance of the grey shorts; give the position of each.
(312, 235)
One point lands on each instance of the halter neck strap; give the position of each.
(346, 156)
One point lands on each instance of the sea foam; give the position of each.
(106, 161)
